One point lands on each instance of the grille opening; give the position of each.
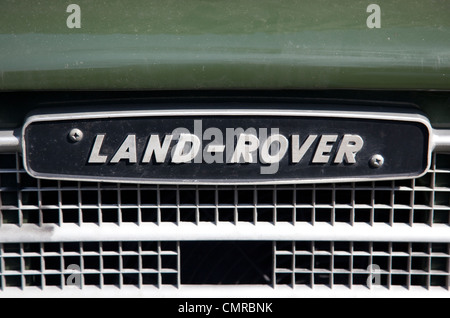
(188, 197)
(53, 280)
(363, 197)
(90, 216)
(92, 279)
(441, 217)
(442, 180)
(285, 197)
(265, 197)
(72, 260)
(10, 217)
(305, 197)
(402, 198)
(324, 196)
(9, 180)
(89, 197)
(150, 215)
(285, 215)
(69, 198)
(51, 216)
(363, 215)
(324, 215)
(149, 196)
(226, 215)
(443, 161)
(130, 215)
(423, 199)
(168, 197)
(245, 215)
(422, 216)
(8, 161)
(128, 197)
(265, 214)
(343, 196)
(207, 197)
(245, 197)
(69, 216)
(343, 215)
(33, 280)
(9, 198)
(108, 216)
(30, 198)
(226, 197)
(304, 215)
(169, 215)
(13, 281)
(225, 263)
(382, 216)
(109, 197)
(442, 198)
(402, 216)
(73, 247)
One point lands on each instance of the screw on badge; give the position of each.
(75, 135)
(377, 161)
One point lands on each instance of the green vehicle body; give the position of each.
(242, 48)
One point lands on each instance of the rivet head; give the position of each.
(75, 135)
(377, 161)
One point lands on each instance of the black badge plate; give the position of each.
(205, 147)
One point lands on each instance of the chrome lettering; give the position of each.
(350, 146)
(265, 155)
(180, 154)
(299, 152)
(246, 145)
(95, 156)
(127, 151)
(324, 148)
(154, 147)
(240, 146)
(213, 151)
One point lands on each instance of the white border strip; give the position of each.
(209, 232)
(228, 292)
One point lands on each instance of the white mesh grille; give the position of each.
(97, 264)
(156, 264)
(25, 200)
(358, 263)
(38, 260)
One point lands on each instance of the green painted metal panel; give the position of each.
(217, 44)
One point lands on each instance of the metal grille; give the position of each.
(25, 200)
(362, 263)
(298, 263)
(124, 252)
(95, 263)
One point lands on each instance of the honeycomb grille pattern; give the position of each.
(362, 263)
(156, 264)
(89, 264)
(25, 200)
